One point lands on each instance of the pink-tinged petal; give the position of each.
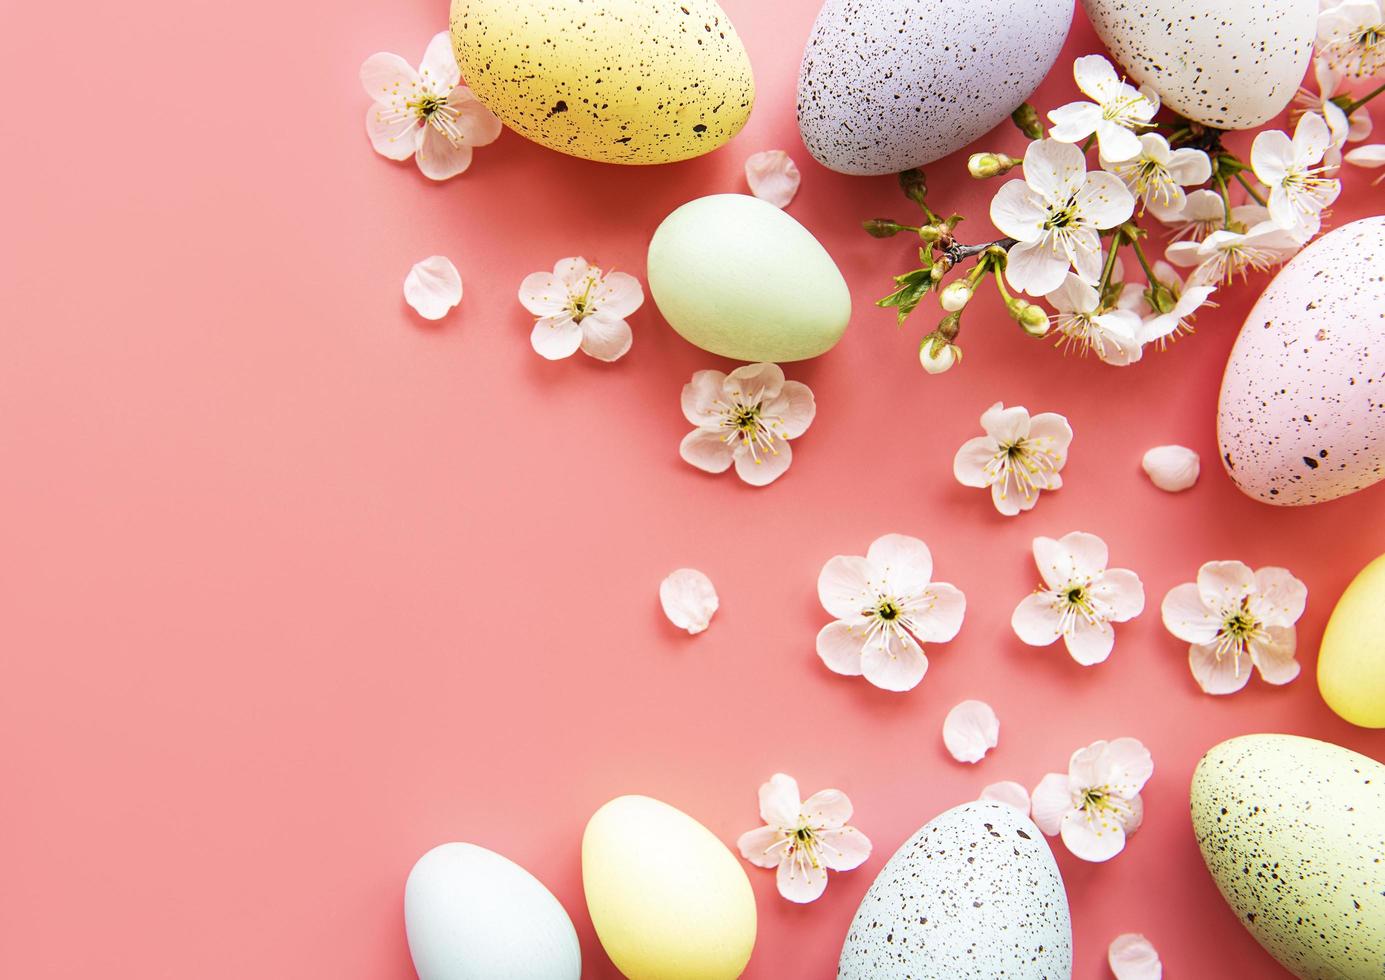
(1085, 766)
(795, 408)
(1018, 212)
(843, 848)
(969, 465)
(844, 586)
(387, 77)
(439, 158)
(1075, 557)
(893, 662)
(689, 599)
(439, 65)
(1187, 617)
(619, 294)
(1037, 619)
(705, 449)
(938, 615)
(1185, 253)
(573, 272)
(772, 177)
(1372, 155)
(543, 294)
(1217, 675)
(433, 287)
(1090, 643)
(800, 881)
(762, 467)
(1104, 200)
(827, 809)
(780, 801)
(475, 124)
(1133, 816)
(1054, 170)
(1036, 268)
(1011, 498)
(392, 135)
(1274, 658)
(556, 337)
(762, 847)
(1280, 598)
(1223, 584)
(839, 645)
(1009, 793)
(904, 562)
(1132, 957)
(1006, 425)
(1126, 765)
(605, 338)
(1074, 121)
(1051, 800)
(700, 396)
(1092, 836)
(755, 382)
(970, 730)
(1055, 429)
(1120, 592)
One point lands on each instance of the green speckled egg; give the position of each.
(740, 278)
(1293, 832)
(622, 81)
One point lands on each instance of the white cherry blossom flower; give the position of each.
(1177, 318)
(1344, 129)
(1172, 468)
(1017, 458)
(803, 840)
(427, 114)
(1351, 37)
(1293, 171)
(579, 306)
(1133, 957)
(1096, 804)
(746, 419)
(689, 599)
(1009, 792)
(1202, 213)
(1235, 619)
(1158, 174)
(433, 287)
(772, 177)
(1080, 598)
(970, 730)
(1223, 255)
(884, 604)
(1112, 335)
(1054, 214)
(1117, 110)
(1372, 156)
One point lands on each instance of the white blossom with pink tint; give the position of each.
(1133, 957)
(803, 839)
(970, 730)
(1096, 804)
(1017, 458)
(580, 307)
(746, 419)
(773, 177)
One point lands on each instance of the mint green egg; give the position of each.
(740, 278)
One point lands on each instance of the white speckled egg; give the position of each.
(1302, 412)
(471, 914)
(974, 894)
(886, 85)
(1293, 832)
(1231, 64)
(623, 81)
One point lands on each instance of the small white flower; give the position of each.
(433, 287)
(1368, 156)
(1080, 598)
(1096, 805)
(1132, 957)
(884, 603)
(579, 306)
(425, 113)
(1117, 111)
(1009, 792)
(689, 599)
(1292, 170)
(1344, 129)
(1234, 619)
(1158, 174)
(1351, 37)
(1223, 255)
(1054, 215)
(772, 177)
(745, 418)
(1177, 319)
(1017, 457)
(803, 840)
(1202, 213)
(970, 730)
(1112, 335)
(1172, 468)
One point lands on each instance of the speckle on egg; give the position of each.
(886, 85)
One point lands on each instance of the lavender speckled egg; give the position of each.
(1302, 412)
(974, 894)
(1293, 832)
(1232, 64)
(886, 85)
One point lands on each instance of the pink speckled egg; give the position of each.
(1302, 413)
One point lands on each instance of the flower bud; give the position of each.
(931, 233)
(1026, 117)
(1160, 298)
(983, 165)
(1031, 318)
(955, 295)
(936, 355)
(914, 185)
(881, 227)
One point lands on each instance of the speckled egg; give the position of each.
(974, 894)
(1302, 412)
(1231, 64)
(886, 85)
(1293, 832)
(621, 81)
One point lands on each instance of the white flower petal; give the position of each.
(772, 177)
(800, 881)
(1008, 792)
(762, 467)
(1274, 658)
(1092, 836)
(438, 69)
(1037, 619)
(1280, 598)
(618, 295)
(1018, 212)
(1073, 558)
(439, 158)
(761, 846)
(970, 730)
(780, 801)
(387, 77)
(1224, 584)
(843, 848)
(1036, 268)
(433, 287)
(938, 616)
(904, 563)
(844, 586)
(1218, 675)
(700, 397)
(1088, 642)
(827, 808)
(689, 599)
(1121, 592)
(1051, 799)
(543, 294)
(839, 646)
(795, 408)
(393, 135)
(556, 337)
(1054, 170)
(893, 662)
(1132, 957)
(605, 338)
(1172, 468)
(476, 124)
(703, 448)
(1187, 617)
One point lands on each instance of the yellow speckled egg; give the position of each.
(1351, 662)
(621, 81)
(668, 900)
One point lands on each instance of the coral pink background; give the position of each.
(296, 585)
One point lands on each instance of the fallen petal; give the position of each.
(689, 599)
(1172, 468)
(1008, 792)
(1132, 957)
(433, 286)
(772, 177)
(970, 730)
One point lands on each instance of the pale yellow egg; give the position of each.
(1351, 661)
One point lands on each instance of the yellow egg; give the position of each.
(1351, 662)
(668, 900)
(622, 81)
